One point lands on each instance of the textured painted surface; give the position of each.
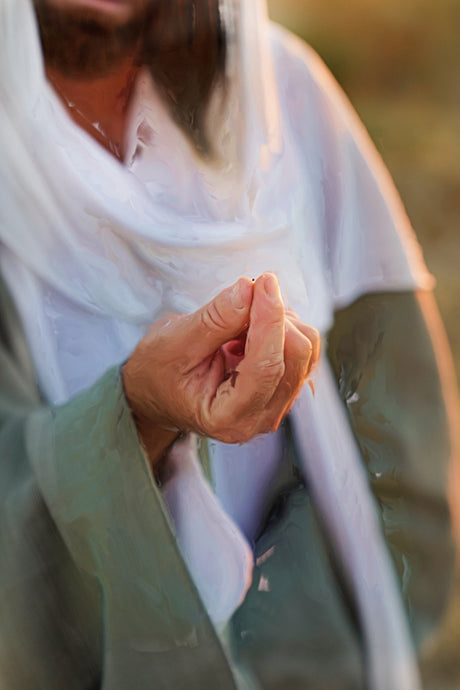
(134, 242)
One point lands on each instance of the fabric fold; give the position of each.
(93, 251)
(217, 554)
(333, 466)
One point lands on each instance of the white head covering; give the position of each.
(93, 250)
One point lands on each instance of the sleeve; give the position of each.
(394, 376)
(92, 583)
(384, 344)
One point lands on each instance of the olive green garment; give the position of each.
(93, 589)
(298, 626)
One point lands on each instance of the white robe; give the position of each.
(93, 251)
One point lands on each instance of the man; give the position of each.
(215, 149)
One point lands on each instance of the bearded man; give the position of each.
(178, 509)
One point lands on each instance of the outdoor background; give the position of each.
(399, 62)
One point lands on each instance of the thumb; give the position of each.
(220, 320)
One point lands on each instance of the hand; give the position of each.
(182, 375)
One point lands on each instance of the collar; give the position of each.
(140, 128)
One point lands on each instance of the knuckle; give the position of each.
(261, 397)
(291, 314)
(289, 387)
(212, 317)
(272, 368)
(315, 334)
(202, 422)
(300, 360)
(248, 432)
(242, 436)
(300, 345)
(315, 339)
(307, 349)
(230, 435)
(241, 431)
(265, 424)
(210, 418)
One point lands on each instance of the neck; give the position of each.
(99, 106)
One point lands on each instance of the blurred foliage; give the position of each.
(399, 62)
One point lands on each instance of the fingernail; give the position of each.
(271, 287)
(240, 294)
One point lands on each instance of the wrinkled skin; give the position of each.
(192, 373)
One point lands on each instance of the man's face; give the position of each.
(87, 38)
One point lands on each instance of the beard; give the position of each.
(182, 43)
(80, 45)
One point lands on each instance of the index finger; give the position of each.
(199, 335)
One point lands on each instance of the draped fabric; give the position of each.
(93, 250)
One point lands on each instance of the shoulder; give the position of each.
(316, 109)
(297, 57)
(369, 242)
(304, 79)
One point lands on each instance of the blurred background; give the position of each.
(399, 63)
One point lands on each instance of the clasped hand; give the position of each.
(230, 370)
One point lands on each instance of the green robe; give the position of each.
(94, 592)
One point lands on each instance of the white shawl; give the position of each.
(93, 250)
